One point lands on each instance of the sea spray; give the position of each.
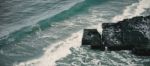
(85, 19)
(136, 9)
(55, 51)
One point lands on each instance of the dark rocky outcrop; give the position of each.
(141, 51)
(112, 36)
(93, 38)
(136, 31)
(129, 34)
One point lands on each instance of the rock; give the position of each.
(129, 34)
(112, 36)
(93, 38)
(136, 34)
(136, 31)
(142, 51)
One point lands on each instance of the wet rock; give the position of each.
(136, 31)
(129, 34)
(142, 51)
(93, 38)
(112, 36)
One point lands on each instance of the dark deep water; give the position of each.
(49, 32)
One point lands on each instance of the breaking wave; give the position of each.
(136, 9)
(56, 51)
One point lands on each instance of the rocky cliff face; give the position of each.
(129, 34)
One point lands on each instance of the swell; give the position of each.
(18, 35)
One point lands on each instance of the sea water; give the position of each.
(49, 32)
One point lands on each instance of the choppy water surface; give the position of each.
(49, 32)
(84, 56)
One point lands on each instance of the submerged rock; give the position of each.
(129, 34)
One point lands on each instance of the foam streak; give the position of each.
(55, 52)
(136, 9)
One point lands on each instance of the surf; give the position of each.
(59, 25)
(136, 9)
(42, 24)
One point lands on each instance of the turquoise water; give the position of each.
(48, 32)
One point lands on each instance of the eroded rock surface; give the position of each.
(93, 38)
(129, 34)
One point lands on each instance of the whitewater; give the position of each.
(49, 32)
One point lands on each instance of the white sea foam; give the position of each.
(55, 52)
(136, 9)
(61, 49)
(99, 28)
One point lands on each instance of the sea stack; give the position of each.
(130, 34)
(93, 38)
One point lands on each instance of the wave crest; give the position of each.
(136, 9)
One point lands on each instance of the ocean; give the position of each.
(49, 32)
